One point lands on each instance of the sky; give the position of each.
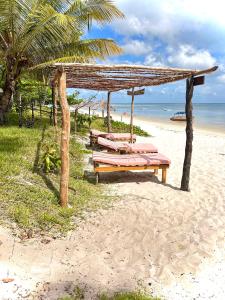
(175, 33)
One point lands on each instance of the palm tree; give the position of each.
(39, 32)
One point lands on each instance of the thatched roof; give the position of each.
(86, 104)
(119, 77)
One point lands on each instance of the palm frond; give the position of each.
(83, 51)
(101, 11)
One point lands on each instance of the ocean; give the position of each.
(208, 115)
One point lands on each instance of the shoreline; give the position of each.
(156, 122)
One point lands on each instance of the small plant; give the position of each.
(50, 160)
(85, 119)
(21, 215)
(78, 294)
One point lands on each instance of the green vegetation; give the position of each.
(78, 294)
(29, 196)
(37, 33)
(128, 296)
(117, 126)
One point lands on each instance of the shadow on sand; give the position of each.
(128, 177)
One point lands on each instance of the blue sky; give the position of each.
(177, 33)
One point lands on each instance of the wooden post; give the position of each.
(51, 116)
(75, 120)
(20, 111)
(55, 102)
(32, 112)
(164, 171)
(65, 139)
(108, 112)
(89, 121)
(189, 135)
(132, 117)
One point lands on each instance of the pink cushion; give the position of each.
(97, 133)
(116, 146)
(129, 160)
(141, 148)
(120, 136)
(128, 148)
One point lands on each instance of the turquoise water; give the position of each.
(206, 114)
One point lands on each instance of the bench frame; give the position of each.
(110, 168)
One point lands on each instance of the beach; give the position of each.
(154, 236)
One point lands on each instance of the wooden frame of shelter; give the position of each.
(112, 78)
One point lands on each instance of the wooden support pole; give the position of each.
(164, 171)
(132, 116)
(75, 120)
(89, 120)
(108, 112)
(189, 135)
(32, 112)
(65, 140)
(20, 111)
(55, 102)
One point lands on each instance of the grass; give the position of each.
(28, 196)
(78, 294)
(117, 126)
(129, 296)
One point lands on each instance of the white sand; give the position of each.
(168, 241)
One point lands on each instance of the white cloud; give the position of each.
(136, 47)
(200, 23)
(154, 60)
(221, 78)
(187, 56)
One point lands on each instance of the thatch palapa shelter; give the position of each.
(112, 78)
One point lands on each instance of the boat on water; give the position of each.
(179, 116)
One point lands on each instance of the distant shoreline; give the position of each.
(178, 125)
(144, 122)
(210, 117)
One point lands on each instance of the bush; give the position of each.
(128, 296)
(117, 126)
(50, 161)
(78, 294)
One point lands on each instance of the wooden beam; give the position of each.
(132, 116)
(109, 168)
(206, 71)
(55, 102)
(189, 135)
(108, 112)
(65, 140)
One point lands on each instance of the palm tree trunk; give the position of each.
(12, 73)
(5, 101)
